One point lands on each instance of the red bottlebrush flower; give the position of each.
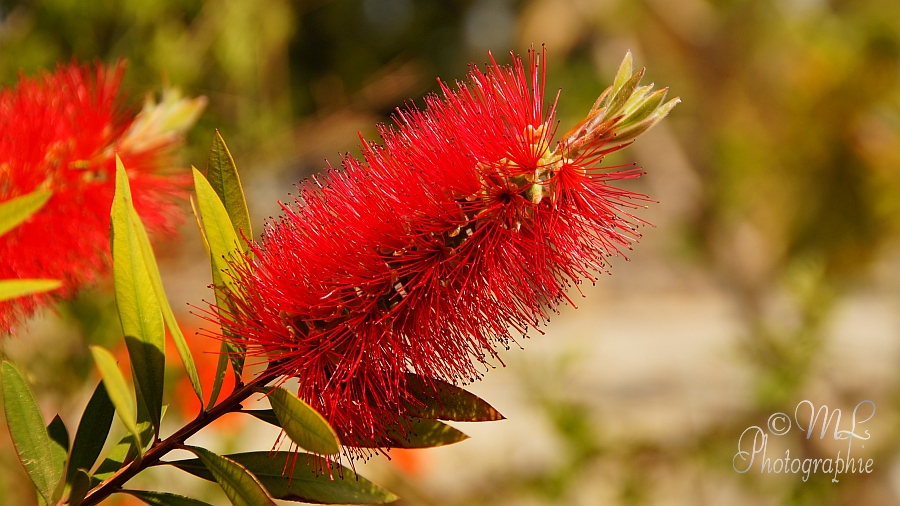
(60, 132)
(464, 229)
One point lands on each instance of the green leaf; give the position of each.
(12, 288)
(81, 484)
(139, 310)
(442, 401)
(621, 97)
(645, 108)
(14, 211)
(59, 435)
(633, 130)
(120, 454)
(164, 498)
(92, 431)
(119, 393)
(241, 487)
(168, 316)
(26, 428)
(124, 452)
(223, 247)
(59, 439)
(223, 177)
(304, 425)
(626, 68)
(307, 483)
(418, 433)
(223, 242)
(266, 415)
(221, 369)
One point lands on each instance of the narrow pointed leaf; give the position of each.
(221, 369)
(124, 452)
(632, 131)
(223, 177)
(92, 431)
(439, 400)
(222, 366)
(12, 288)
(139, 310)
(646, 108)
(14, 211)
(59, 444)
(26, 428)
(164, 498)
(117, 389)
(618, 101)
(626, 69)
(241, 487)
(266, 415)
(418, 433)
(307, 483)
(637, 97)
(224, 246)
(168, 316)
(304, 425)
(223, 242)
(59, 439)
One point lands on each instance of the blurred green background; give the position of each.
(771, 274)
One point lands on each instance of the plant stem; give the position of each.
(160, 448)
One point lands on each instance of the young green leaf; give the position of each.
(168, 316)
(139, 309)
(624, 73)
(164, 498)
(15, 211)
(81, 484)
(241, 487)
(119, 393)
(307, 483)
(439, 400)
(92, 431)
(223, 177)
(12, 288)
(304, 425)
(26, 428)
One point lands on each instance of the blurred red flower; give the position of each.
(466, 228)
(60, 132)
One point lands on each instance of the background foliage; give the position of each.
(771, 275)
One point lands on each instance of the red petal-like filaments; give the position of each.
(464, 230)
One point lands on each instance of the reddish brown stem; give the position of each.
(160, 448)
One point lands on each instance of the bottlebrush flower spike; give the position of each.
(60, 132)
(463, 230)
